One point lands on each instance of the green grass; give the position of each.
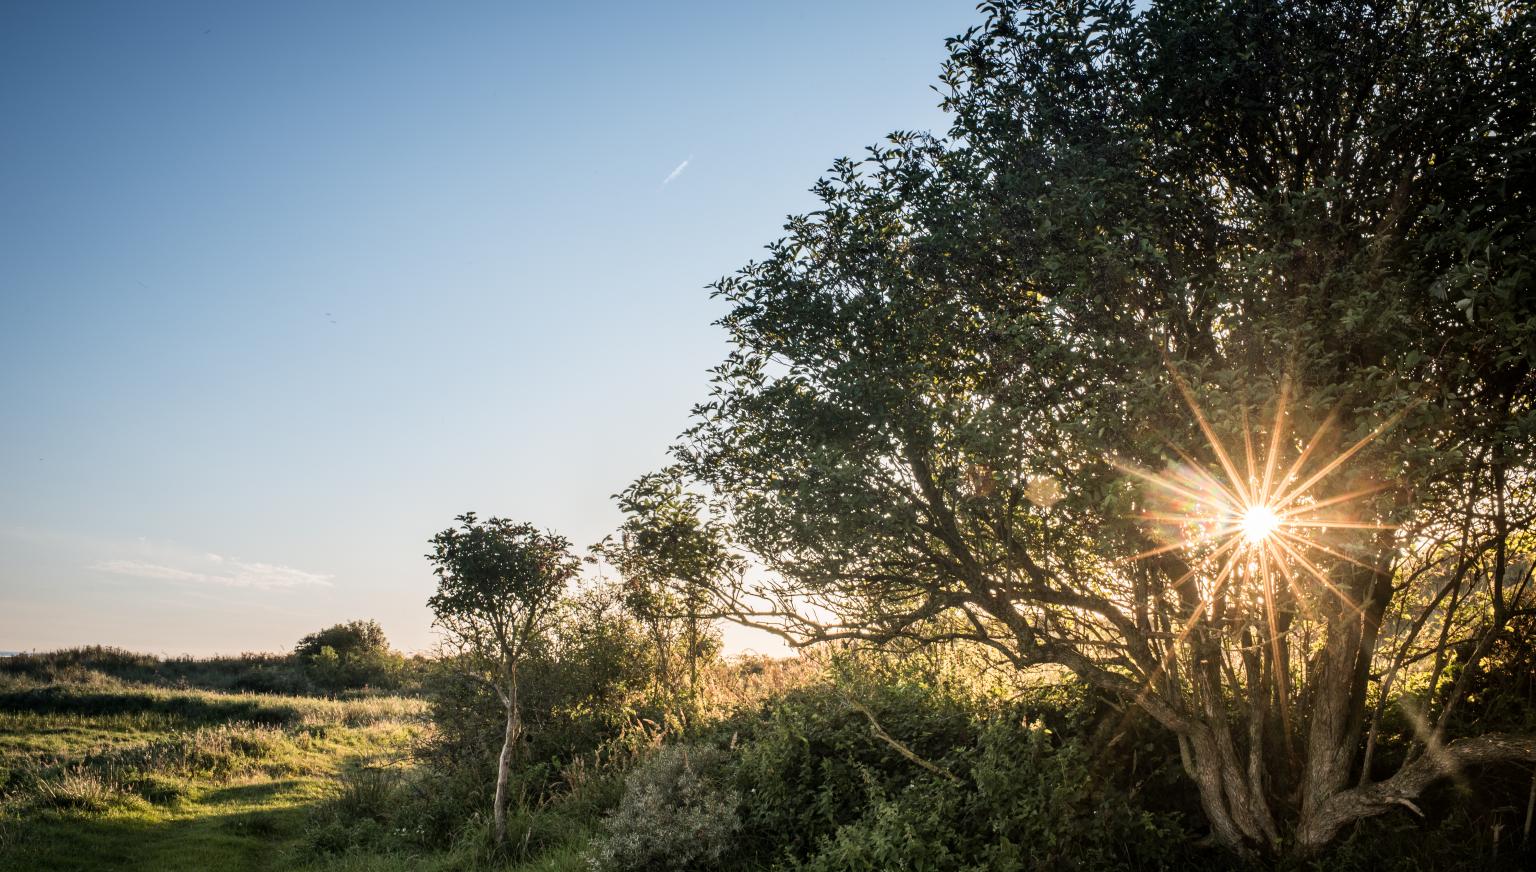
(113, 776)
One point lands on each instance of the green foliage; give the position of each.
(677, 814)
(345, 640)
(829, 781)
(350, 656)
(1031, 801)
(671, 553)
(810, 764)
(497, 583)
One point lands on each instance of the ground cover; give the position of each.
(103, 774)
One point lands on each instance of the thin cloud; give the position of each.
(227, 572)
(677, 172)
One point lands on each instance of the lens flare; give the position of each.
(1252, 506)
(1250, 529)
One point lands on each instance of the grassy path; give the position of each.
(175, 786)
(248, 826)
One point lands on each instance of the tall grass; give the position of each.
(105, 696)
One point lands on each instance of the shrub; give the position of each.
(1030, 802)
(351, 655)
(675, 814)
(809, 762)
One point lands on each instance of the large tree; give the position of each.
(498, 584)
(1196, 359)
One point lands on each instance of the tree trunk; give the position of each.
(504, 765)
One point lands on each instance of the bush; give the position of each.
(810, 764)
(897, 766)
(1029, 802)
(351, 655)
(675, 815)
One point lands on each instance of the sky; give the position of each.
(285, 287)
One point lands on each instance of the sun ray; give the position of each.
(1195, 467)
(1210, 434)
(1334, 500)
(1340, 525)
(1290, 580)
(1194, 617)
(1275, 435)
(1162, 549)
(1164, 483)
(1313, 543)
(1306, 452)
(1277, 662)
(1253, 475)
(1318, 574)
(1338, 461)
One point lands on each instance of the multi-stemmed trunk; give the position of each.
(1265, 791)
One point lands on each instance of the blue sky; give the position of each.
(286, 286)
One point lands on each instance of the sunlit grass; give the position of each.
(112, 775)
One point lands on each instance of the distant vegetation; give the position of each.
(310, 670)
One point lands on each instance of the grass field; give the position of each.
(100, 774)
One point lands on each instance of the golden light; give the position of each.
(1259, 523)
(1254, 527)
(1253, 519)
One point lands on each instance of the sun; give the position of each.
(1252, 517)
(1259, 523)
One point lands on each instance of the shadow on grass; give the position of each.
(241, 828)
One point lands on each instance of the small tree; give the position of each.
(671, 554)
(354, 654)
(351, 638)
(498, 584)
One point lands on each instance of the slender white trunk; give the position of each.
(504, 765)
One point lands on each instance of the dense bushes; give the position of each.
(875, 763)
(899, 772)
(1029, 801)
(678, 813)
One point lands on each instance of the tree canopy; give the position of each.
(354, 638)
(1171, 270)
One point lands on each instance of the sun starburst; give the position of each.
(1255, 534)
